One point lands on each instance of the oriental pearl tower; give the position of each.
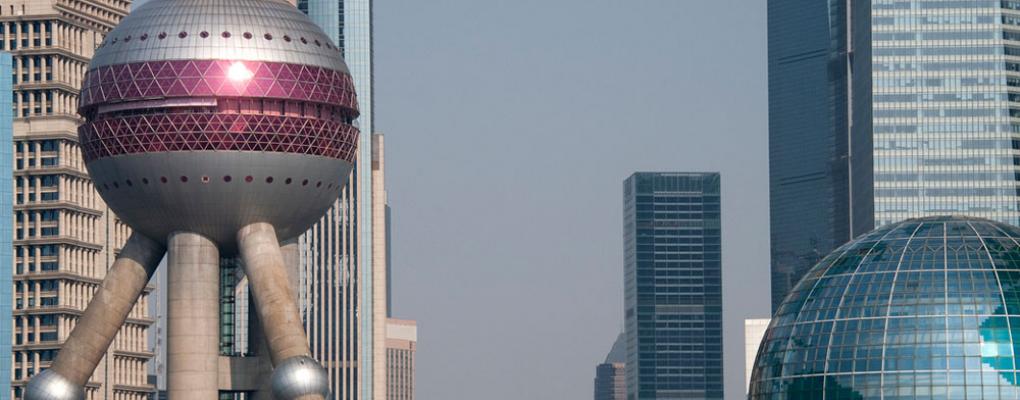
(213, 128)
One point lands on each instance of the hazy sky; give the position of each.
(510, 126)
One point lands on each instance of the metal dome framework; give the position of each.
(926, 308)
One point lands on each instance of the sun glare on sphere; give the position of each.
(239, 72)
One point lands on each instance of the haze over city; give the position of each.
(510, 127)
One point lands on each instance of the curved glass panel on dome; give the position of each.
(924, 309)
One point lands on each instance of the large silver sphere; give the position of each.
(297, 377)
(208, 115)
(48, 385)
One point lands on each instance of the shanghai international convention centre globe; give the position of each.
(922, 309)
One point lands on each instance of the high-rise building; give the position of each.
(64, 235)
(673, 286)
(754, 331)
(820, 184)
(401, 346)
(6, 221)
(946, 108)
(611, 375)
(941, 98)
(343, 273)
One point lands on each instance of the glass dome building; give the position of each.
(923, 309)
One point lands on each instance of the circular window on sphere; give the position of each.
(247, 35)
(248, 179)
(161, 36)
(286, 38)
(127, 39)
(144, 37)
(145, 181)
(227, 178)
(182, 35)
(184, 178)
(226, 35)
(204, 34)
(205, 179)
(163, 179)
(268, 36)
(303, 40)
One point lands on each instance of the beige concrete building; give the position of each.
(65, 237)
(401, 345)
(754, 331)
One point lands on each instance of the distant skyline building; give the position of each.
(820, 182)
(611, 375)
(754, 331)
(401, 347)
(64, 236)
(343, 277)
(6, 221)
(673, 285)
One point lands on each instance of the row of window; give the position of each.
(206, 179)
(21, 163)
(205, 35)
(20, 198)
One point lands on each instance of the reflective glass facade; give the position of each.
(6, 220)
(673, 286)
(921, 309)
(946, 103)
(336, 254)
(819, 132)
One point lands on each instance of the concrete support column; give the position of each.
(270, 287)
(193, 319)
(98, 326)
(296, 376)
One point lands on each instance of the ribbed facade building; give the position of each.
(401, 346)
(64, 236)
(342, 258)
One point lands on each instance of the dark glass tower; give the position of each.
(820, 146)
(673, 286)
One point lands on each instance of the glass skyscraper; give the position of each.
(820, 160)
(946, 108)
(341, 298)
(673, 286)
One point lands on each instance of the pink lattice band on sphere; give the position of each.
(218, 78)
(111, 136)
